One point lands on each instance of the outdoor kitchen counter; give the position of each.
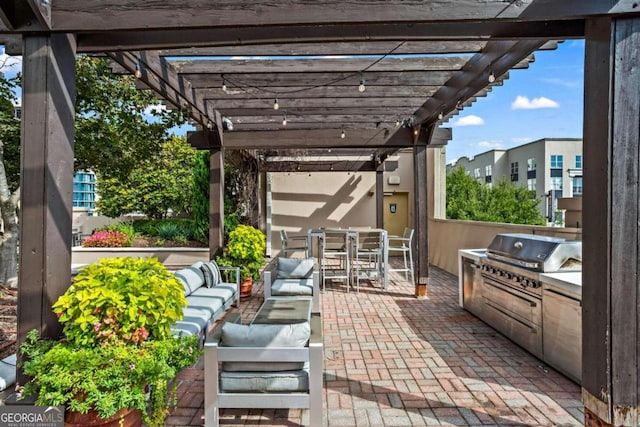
(570, 282)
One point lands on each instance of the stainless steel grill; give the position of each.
(539, 253)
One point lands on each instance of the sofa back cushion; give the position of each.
(292, 268)
(211, 273)
(236, 335)
(191, 278)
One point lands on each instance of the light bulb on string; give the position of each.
(361, 87)
(284, 119)
(397, 122)
(138, 72)
(343, 135)
(224, 84)
(440, 115)
(276, 105)
(492, 77)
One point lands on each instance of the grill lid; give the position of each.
(541, 253)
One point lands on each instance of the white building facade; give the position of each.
(552, 167)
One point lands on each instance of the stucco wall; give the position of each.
(332, 199)
(446, 237)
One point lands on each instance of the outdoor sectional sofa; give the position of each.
(208, 297)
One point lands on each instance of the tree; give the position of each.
(154, 186)
(114, 131)
(9, 181)
(200, 195)
(467, 199)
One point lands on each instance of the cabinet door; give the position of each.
(562, 333)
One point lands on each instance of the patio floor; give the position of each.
(394, 360)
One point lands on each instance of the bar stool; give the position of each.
(291, 244)
(403, 244)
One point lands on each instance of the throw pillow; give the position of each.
(211, 273)
(292, 268)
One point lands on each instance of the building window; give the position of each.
(576, 186)
(476, 173)
(514, 172)
(578, 162)
(531, 164)
(487, 170)
(556, 161)
(556, 183)
(531, 184)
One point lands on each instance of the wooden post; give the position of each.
(216, 202)
(611, 347)
(420, 220)
(380, 196)
(48, 93)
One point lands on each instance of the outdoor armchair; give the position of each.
(293, 277)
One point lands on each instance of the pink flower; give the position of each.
(132, 366)
(96, 327)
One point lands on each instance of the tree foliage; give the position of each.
(112, 126)
(200, 195)
(467, 199)
(153, 186)
(10, 131)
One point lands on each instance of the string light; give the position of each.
(224, 84)
(276, 105)
(331, 168)
(492, 77)
(440, 115)
(398, 122)
(343, 135)
(284, 119)
(361, 87)
(459, 104)
(138, 72)
(415, 132)
(209, 125)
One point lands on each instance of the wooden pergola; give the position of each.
(420, 62)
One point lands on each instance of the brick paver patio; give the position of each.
(394, 360)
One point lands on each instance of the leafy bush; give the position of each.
(123, 227)
(182, 229)
(107, 239)
(245, 249)
(132, 299)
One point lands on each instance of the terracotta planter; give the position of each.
(122, 418)
(246, 289)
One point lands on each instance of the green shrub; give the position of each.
(128, 298)
(245, 249)
(169, 231)
(125, 228)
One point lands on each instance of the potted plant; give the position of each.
(245, 249)
(117, 356)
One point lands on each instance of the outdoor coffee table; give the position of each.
(284, 310)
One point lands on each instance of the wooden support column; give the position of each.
(48, 94)
(420, 220)
(216, 202)
(380, 196)
(610, 332)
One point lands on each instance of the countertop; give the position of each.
(474, 254)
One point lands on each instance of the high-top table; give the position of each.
(319, 232)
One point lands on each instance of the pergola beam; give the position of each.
(326, 166)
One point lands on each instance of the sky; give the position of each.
(542, 101)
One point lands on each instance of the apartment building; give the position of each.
(84, 190)
(552, 167)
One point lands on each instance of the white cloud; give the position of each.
(562, 82)
(10, 64)
(486, 145)
(521, 140)
(469, 121)
(524, 103)
(156, 108)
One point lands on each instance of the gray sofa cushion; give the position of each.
(194, 322)
(292, 268)
(191, 277)
(236, 335)
(221, 292)
(292, 287)
(206, 303)
(211, 273)
(264, 382)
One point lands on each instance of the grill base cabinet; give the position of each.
(562, 337)
(541, 312)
